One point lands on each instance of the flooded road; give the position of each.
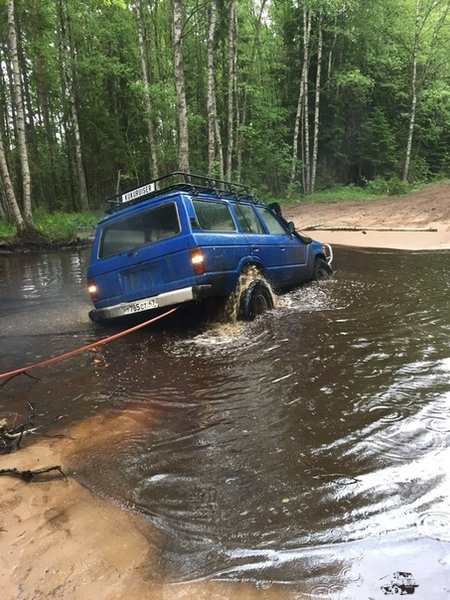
(308, 448)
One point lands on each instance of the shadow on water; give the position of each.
(309, 447)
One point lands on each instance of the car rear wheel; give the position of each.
(255, 300)
(322, 270)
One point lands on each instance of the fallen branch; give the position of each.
(10, 439)
(357, 228)
(28, 475)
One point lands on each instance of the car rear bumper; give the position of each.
(196, 292)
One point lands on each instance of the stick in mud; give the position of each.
(29, 474)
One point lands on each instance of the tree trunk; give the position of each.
(243, 120)
(67, 59)
(301, 101)
(145, 80)
(20, 119)
(43, 104)
(183, 130)
(423, 12)
(232, 48)
(412, 115)
(215, 151)
(307, 162)
(12, 205)
(317, 106)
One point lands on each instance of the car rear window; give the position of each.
(213, 216)
(143, 228)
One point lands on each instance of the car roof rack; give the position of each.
(179, 180)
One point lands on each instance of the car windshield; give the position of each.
(143, 228)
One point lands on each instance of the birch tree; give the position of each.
(11, 202)
(232, 80)
(27, 225)
(301, 106)
(142, 43)
(180, 88)
(245, 96)
(317, 105)
(425, 11)
(215, 151)
(69, 86)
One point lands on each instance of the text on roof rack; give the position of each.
(138, 192)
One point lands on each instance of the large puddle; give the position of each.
(308, 448)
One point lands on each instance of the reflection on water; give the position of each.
(309, 447)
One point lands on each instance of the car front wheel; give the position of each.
(322, 270)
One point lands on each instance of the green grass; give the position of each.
(376, 189)
(55, 225)
(337, 193)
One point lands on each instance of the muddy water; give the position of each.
(308, 448)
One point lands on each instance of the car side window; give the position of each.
(247, 218)
(213, 216)
(272, 223)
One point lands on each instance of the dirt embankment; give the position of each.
(424, 217)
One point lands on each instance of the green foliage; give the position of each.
(56, 225)
(377, 145)
(365, 95)
(64, 225)
(393, 186)
(336, 193)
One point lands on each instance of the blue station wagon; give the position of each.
(184, 238)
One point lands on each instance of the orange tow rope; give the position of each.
(106, 340)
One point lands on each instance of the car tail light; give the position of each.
(198, 261)
(93, 291)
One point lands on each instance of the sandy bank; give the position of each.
(428, 208)
(58, 540)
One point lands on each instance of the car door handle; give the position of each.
(255, 248)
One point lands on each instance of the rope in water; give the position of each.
(90, 346)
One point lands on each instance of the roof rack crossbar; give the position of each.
(182, 181)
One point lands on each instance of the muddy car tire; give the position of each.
(396, 589)
(322, 270)
(255, 300)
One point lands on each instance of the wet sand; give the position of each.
(59, 540)
(398, 240)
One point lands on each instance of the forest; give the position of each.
(287, 96)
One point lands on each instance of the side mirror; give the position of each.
(291, 227)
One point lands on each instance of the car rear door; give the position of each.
(224, 248)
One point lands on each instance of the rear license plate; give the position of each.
(140, 306)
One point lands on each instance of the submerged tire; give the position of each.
(322, 270)
(255, 300)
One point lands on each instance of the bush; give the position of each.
(397, 187)
(378, 186)
(393, 186)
